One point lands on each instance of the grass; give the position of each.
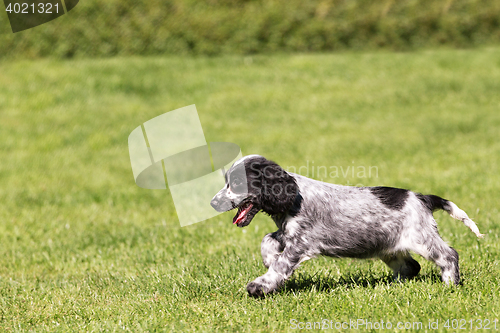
(82, 248)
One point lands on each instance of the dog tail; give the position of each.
(433, 202)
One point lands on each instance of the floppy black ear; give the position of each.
(279, 189)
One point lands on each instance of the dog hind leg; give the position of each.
(447, 260)
(445, 257)
(403, 265)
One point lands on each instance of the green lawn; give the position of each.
(82, 248)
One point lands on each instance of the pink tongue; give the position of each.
(242, 214)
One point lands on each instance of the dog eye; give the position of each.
(236, 182)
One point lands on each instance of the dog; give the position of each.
(317, 218)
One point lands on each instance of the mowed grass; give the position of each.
(82, 248)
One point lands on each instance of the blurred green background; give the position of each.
(209, 27)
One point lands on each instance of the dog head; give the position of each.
(253, 184)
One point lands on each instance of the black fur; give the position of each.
(275, 189)
(295, 209)
(394, 198)
(412, 268)
(433, 202)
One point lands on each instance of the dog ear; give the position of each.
(278, 187)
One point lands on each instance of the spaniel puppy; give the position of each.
(316, 218)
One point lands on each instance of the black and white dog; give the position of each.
(316, 218)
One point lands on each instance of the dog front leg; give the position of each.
(271, 248)
(279, 271)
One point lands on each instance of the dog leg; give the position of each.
(403, 265)
(270, 248)
(446, 258)
(279, 271)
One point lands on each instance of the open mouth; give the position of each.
(242, 214)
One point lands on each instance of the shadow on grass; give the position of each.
(350, 281)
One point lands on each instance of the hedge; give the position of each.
(210, 27)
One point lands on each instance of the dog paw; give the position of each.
(256, 289)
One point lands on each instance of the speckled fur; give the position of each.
(342, 221)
